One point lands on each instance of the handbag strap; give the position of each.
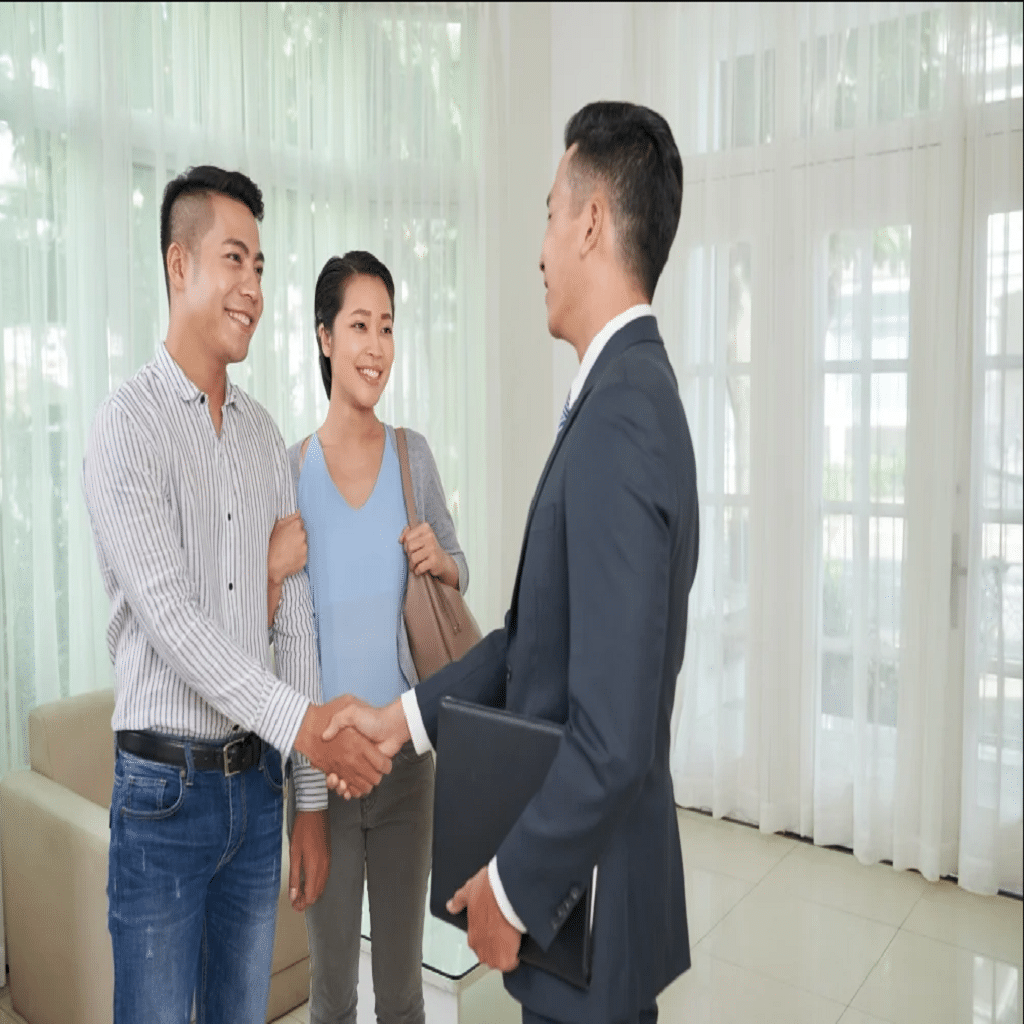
(403, 462)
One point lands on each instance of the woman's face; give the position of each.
(361, 346)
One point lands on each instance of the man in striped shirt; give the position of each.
(185, 477)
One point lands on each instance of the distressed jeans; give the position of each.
(194, 879)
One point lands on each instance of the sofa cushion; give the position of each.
(71, 742)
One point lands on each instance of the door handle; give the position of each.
(956, 572)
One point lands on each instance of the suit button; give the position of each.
(574, 893)
(508, 676)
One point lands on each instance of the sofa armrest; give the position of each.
(55, 847)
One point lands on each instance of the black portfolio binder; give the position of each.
(490, 763)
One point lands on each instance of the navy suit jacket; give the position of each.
(594, 641)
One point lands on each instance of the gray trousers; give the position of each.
(386, 838)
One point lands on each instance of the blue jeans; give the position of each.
(194, 879)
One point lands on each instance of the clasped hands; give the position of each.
(352, 743)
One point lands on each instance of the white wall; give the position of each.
(553, 59)
(517, 162)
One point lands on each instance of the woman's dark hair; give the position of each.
(630, 150)
(186, 222)
(329, 296)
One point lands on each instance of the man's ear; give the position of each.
(178, 260)
(595, 220)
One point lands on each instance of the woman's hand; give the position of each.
(287, 554)
(285, 557)
(426, 555)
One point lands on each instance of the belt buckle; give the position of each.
(227, 755)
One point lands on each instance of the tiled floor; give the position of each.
(785, 933)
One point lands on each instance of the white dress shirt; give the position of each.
(411, 707)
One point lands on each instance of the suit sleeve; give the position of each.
(617, 511)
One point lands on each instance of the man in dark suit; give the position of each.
(594, 636)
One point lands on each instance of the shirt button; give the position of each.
(202, 399)
(231, 586)
(229, 517)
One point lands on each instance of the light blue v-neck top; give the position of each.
(357, 573)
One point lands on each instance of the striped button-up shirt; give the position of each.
(182, 520)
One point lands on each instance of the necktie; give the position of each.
(563, 417)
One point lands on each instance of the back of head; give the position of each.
(329, 295)
(630, 150)
(185, 214)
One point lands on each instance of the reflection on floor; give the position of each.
(785, 933)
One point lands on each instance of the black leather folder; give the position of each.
(490, 763)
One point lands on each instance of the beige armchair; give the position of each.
(54, 834)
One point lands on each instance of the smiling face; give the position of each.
(219, 290)
(361, 344)
(560, 255)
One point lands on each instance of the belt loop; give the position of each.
(189, 766)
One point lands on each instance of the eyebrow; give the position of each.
(547, 202)
(366, 312)
(241, 245)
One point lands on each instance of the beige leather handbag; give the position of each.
(440, 625)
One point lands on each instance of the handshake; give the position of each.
(352, 743)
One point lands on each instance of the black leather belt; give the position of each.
(234, 755)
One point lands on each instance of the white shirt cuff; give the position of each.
(413, 718)
(499, 894)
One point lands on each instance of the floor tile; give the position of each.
(990, 925)
(807, 945)
(709, 897)
(716, 992)
(839, 880)
(923, 981)
(730, 849)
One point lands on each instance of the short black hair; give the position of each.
(329, 296)
(186, 222)
(630, 150)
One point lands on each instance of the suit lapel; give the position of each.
(644, 328)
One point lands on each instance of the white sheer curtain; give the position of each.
(361, 123)
(844, 305)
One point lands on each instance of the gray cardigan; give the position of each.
(431, 507)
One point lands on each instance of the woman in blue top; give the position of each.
(360, 550)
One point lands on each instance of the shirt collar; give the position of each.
(175, 375)
(597, 345)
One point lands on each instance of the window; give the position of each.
(1000, 614)
(865, 363)
(717, 397)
